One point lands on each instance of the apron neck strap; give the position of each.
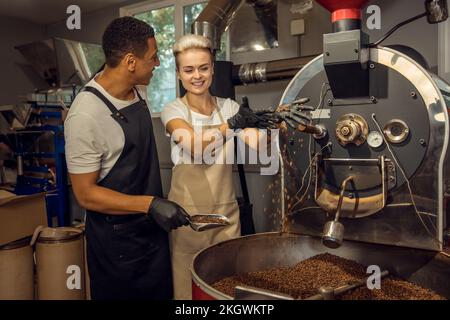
(137, 92)
(100, 95)
(108, 103)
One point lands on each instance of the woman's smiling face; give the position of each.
(195, 70)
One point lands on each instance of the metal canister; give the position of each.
(16, 270)
(60, 264)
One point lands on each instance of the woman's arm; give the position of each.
(195, 141)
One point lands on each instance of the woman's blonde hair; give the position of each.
(191, 41)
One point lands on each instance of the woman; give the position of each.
(202, 188)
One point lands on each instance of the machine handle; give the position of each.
(332, 293)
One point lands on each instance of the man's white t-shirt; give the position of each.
(178, 110)
(94, 140)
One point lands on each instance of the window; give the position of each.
(162, 88)
(170, 19)
(190, 13)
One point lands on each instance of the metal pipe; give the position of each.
(333, 231)
(215, 18)
(317, 130)
(341, 197)
(19, 165)
(268, 71)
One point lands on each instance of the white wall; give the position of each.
(419, 35)
(92, 24)
(444, 50)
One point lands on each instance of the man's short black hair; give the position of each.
(124, 35)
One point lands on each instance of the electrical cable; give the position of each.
(395, 28)
(319, 107)
(418, 212)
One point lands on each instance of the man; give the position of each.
(113, 165)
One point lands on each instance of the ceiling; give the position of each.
(49, 11)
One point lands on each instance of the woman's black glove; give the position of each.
(167, 214)
(293, 114)
(246, 118)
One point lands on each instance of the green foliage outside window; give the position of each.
(162, 88)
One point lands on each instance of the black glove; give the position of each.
(246, 118)
(293, 114)
(168, 214)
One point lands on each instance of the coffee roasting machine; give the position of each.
(379, 167)
(34, 127)
(368, 179)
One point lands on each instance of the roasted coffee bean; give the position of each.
(206, 219)
(392, 289)
(305, 278)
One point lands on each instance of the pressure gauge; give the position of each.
(375, 139)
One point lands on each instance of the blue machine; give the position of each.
(50, 177)
(65, 65)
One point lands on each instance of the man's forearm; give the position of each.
(105, 200)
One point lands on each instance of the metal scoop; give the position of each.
(201, 222)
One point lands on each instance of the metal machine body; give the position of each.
(407, 106)
(36, 126)
(368, 179)
(38, 147)
(273, 250)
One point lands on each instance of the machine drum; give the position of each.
(309, 277)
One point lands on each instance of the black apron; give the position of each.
(128, 255)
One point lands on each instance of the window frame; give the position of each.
(179, 5)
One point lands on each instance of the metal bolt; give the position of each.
(373, 99)
(391, 178)
(350, 195)
(345, 131)
(329, 102)
(327, 53)
(413, 95)
(422, 142)
(371, 66)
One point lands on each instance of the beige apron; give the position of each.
(201, 189)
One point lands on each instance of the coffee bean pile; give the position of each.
(303, 280)
(392, 289)
(207, 219)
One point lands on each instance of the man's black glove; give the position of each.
(168, 214)
(293, 114)
(246, 118)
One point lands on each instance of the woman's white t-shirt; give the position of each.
(178, 110)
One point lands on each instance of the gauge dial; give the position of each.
(375, 139)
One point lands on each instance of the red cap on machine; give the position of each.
(343, 9)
